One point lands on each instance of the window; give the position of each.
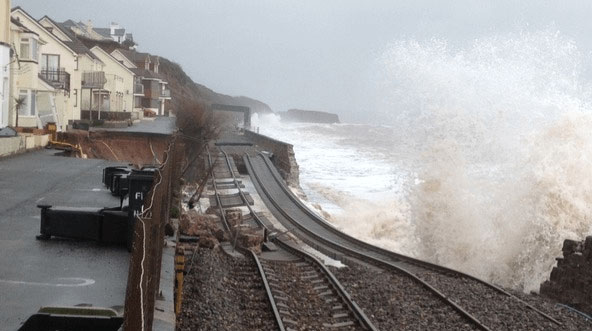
(75, 95)
(50, 62)
(34, 50)
(25, 48)
(29, 49)
(28, 108)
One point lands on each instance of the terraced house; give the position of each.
(52, 72)
(152, 90)
(40, 92)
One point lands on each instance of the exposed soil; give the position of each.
(140, 149)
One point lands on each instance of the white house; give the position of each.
(4, 61)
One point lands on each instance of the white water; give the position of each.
(485, 164)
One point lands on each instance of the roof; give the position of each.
(141, 72)
(134, 56)
(40, 26)
(76, 45)
(20, 25)
(98, 48)
(119, 32)
(105, 32)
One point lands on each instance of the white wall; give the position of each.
(4, 84)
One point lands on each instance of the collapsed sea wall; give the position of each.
(571, 280)
(283, 156)
(139, 148)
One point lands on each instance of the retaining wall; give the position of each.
(571, 280)
(22, 143)
(284, 158)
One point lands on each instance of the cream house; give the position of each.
(43, 61)
(90, 92)
(32, 99)
(153, 94)
(5, 42)
(120, 81)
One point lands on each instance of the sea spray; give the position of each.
(488, 200)
(485, 165)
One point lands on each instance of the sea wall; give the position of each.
(571, 280)
(284, 158)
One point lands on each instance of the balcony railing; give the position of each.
(58, 78)
(139, 89)
(93, 79)
(166, 93)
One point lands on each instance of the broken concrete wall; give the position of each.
(284, 158)
(571, 280)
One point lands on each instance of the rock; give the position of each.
(569, 246)
(208, 241)
(234, 217)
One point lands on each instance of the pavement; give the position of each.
(160, 125)
(56, 272)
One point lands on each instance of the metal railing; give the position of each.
(93, 79)
(58, 78)
(166, 93)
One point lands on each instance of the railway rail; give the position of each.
(472, 299)
(301, 291)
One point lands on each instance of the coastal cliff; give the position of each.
(308, 116)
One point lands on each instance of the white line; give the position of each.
(80, 282)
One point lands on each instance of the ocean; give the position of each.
(482, 163)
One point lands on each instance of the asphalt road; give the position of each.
(56, 272)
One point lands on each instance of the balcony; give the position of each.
(58, 78)
(166, 93)
(93, 79)
(138, 89)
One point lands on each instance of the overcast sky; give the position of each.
(310, 54)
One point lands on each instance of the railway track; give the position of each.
(302, 293)
(484, 305)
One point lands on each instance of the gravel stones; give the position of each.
(223, 293)
(396, 302)
(492, 308)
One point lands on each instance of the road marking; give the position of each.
(80, 282)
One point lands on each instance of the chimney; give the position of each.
(89, 27)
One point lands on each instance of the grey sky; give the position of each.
(302, 53)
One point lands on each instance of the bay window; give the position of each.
(29, 49)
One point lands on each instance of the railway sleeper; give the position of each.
(305, 297)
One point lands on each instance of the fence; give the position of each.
(147, 245)
(106, 115)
